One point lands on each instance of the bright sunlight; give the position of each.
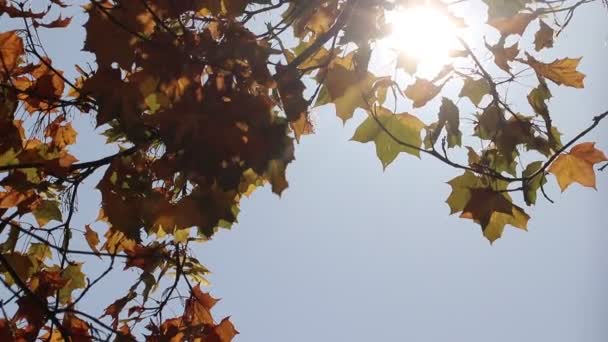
(423, 34)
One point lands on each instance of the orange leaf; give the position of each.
(577, 166)
(92, 238)
(11, 49)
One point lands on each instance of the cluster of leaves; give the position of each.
(203, 109)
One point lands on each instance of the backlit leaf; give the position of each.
(47, 211)
(475, 89)
(395, 134)
(560, 71)
(422, 91)
(577, 166)
(543, 37)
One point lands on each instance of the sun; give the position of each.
(423, 34)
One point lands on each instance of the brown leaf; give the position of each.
(198, 307)
(59, 22)
(503, 55)
(544, 37)
(422, 91)
(115, 308)
(225, 331)
(78, 329)
(291, 90)
(516, 24)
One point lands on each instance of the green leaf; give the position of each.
(475, 90)
(11, 241)
(76, 280)
(354, 97)
(537, 98)
(47, 211)
(404, 134)
(531, 187)
(9, 157)
(461, 194)
(489, 123)
(39, 252)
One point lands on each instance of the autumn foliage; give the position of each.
(203, 107)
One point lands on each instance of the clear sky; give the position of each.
(354, 253)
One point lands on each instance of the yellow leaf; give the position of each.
(561, 71)
(393, 137)
(577, 166)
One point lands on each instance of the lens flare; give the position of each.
(423, 34)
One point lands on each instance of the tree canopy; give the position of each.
(204, 104)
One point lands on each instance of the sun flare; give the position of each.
(424, 34)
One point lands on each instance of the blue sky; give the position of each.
(354, 253)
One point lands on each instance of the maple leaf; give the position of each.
(21, 264)
(475, 89)
(47, 211)
(516, 24)
(75, 280)
(543, 37)
(79, 330)
(114, 309)
(145, 257)
(198, 307)
(92, 239)
(561, 71)
(346, 88)
(301, 126)
(318, 21)
(490, 207)
(225, 330)
(577, 166)
(449, 117)
(422, 91)
(504, 8)
(531, 187)
(11, 49)
(48, 282)
(61, 135)
(390, 134)
(59, 22)
(503, 55)
(100, 27)
(291, 88)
